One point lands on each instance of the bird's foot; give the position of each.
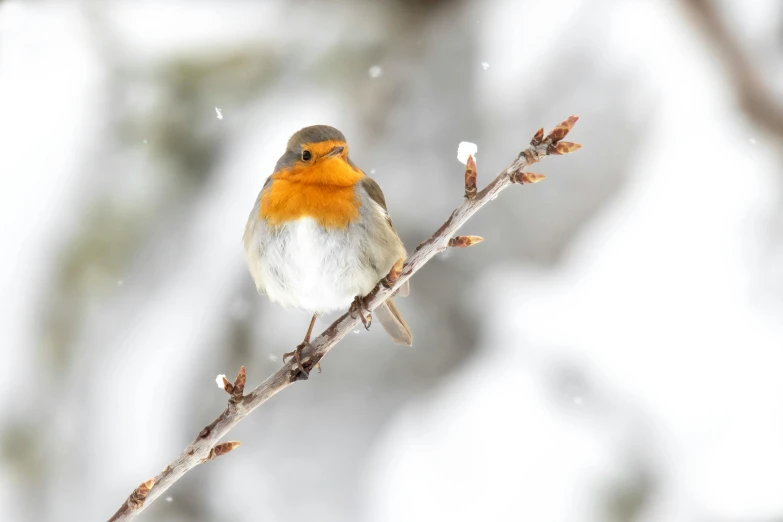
(359, 307)
(302, 372)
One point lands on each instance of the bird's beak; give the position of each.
(336, 151)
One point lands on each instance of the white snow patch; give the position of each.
(465, 150)
(219, 380)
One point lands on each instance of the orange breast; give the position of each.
(331, 206)
(324, 191)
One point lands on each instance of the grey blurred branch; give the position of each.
(206, 446)
(753, 94)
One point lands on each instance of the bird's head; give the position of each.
(318, 154)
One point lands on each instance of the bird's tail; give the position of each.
(392, 321)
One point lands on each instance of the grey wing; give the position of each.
(375, 193)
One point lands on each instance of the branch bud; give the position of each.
(470, 178)
(538, 138)
(527, 177)
(223, 383)
(563, 147)
(222, 449)
(239, 382)
(136, 499)
(464, 241)
(394, 274)
(560, 132)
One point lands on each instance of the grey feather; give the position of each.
(394, 324)
(312, 134)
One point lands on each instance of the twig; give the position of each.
(206, 446)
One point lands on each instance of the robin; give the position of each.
(319, 237)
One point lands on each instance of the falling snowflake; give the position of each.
(219, 113)
(485, 65)
(375, 71)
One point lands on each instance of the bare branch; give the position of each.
(206, 446)
(754, 95)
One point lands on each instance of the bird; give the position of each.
(319, 237)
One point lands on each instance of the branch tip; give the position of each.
(464, 241)
(560, 132)
(239, 382)
(470, 178)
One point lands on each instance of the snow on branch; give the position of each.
(206, 446)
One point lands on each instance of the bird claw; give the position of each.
(297, 355)
(358, 307)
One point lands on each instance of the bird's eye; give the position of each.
(306, 155)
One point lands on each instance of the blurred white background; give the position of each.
(611, 352)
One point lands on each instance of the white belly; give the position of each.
(304, 266)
